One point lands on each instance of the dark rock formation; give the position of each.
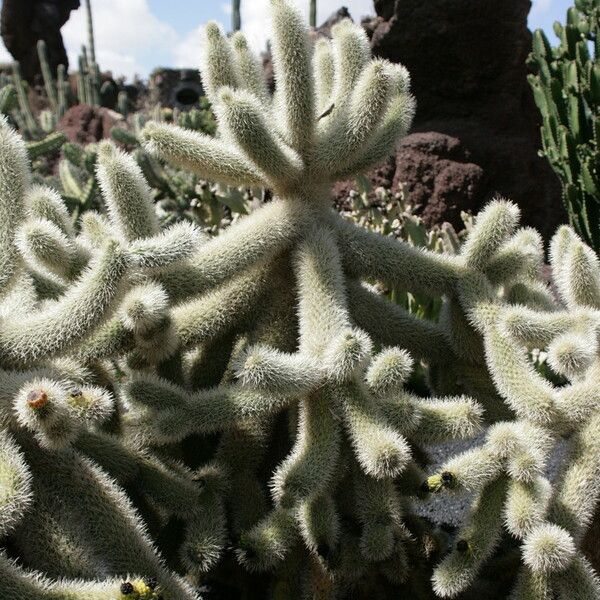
(467, 62)
(439, 177)
(436, 172)
(24, 22)
(86, 124)
(175, 88)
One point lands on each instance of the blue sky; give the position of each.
(133, 36)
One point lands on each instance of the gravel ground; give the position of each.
(452, 508)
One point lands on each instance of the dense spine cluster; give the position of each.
(67, 297)
(245, 400)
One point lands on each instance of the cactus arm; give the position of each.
(64, 322)
(204, 155)
(172, 245)
(127, 195)
(294, 102)
(47, 75)
(13, 184)
(218, 66)
(206, 411)
(389, 324)
(251, 73)
(380, 450)
(218, 311)
(366, 254)
(242, 119)
(311, 465)
(480, 535)
(324, 74)
(15, 484)
(24, 106)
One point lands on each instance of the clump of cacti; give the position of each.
(67, 301)
(566, 89)
(242, 404)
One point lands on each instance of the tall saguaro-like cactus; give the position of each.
(313, 13)
(90, 25)
(566, 89)
(236, 15)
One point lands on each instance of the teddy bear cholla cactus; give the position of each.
(66, 300)
(335, 113)
(506, 473)
(266, 325)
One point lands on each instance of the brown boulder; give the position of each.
(24, 22)
(437, 174)
(439, 177)
(469, 76)
(85, 124)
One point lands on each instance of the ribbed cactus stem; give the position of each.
(123, 103)
(8, 99)
(82, 82)
(95, 83)
(50, 143)
(62, 87)
(90, 27)
(313, 14)
(236, 15)
(47, 75)
(24, 106)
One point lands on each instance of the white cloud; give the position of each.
(188, 51)
(541, 6)
(124, 31)
(256, 24)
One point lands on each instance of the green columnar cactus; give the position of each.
(29, 124)
(90, 25)
(313, 13)
(50, 143)
(236, 15)
(566, 88)
(8, 99)
(47, 75)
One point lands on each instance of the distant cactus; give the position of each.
(50, 143)
(8, 99)
(566, 89)
(313, 13)
(90, 25)
(47, 75)
(236, 15)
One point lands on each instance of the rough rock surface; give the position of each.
(24, 22)
(467, 63)
(86, 124)
(438, 175)
(436, 172)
